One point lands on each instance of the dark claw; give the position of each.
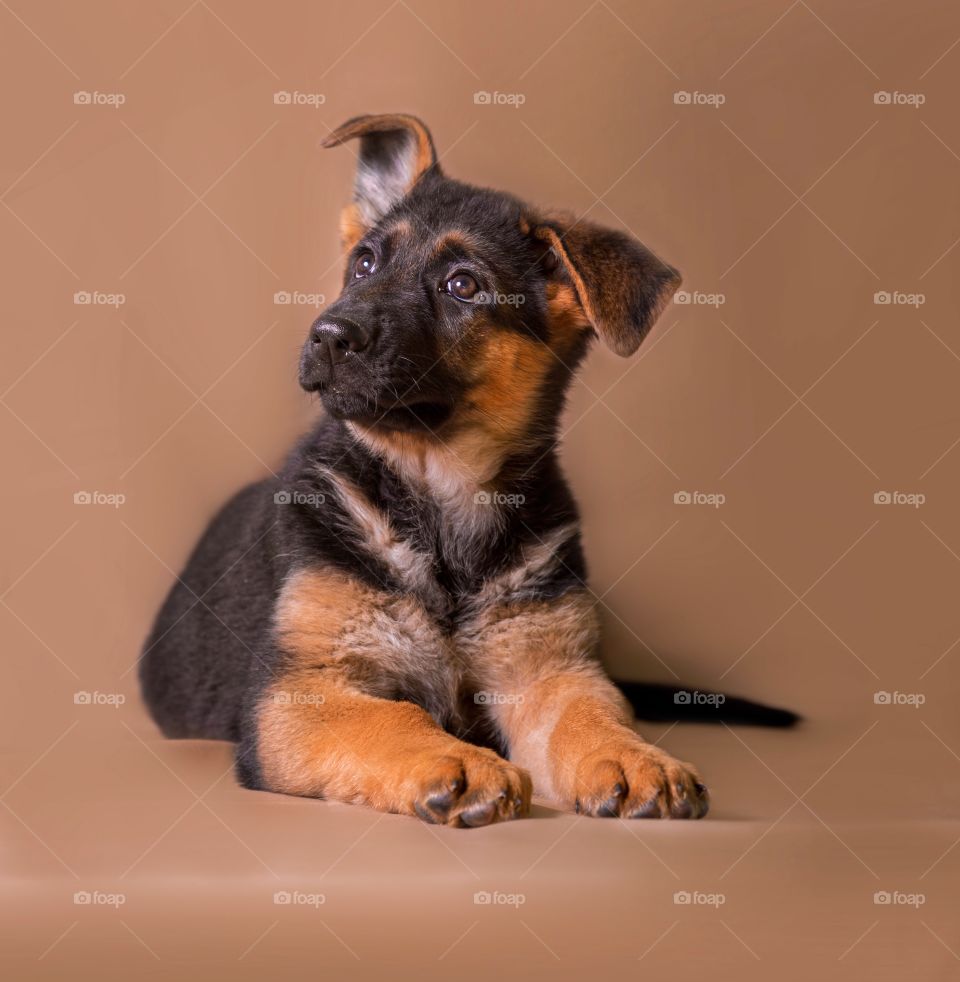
(611, 807)
(424, 813)
(441, 801)
(649, 809)
(479, 815)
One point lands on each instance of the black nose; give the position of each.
(338, 338)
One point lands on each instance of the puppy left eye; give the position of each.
(462, 286)
(365, 264)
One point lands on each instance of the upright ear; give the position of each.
(395, 152)
(621, 286)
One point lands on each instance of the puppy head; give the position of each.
(463, 309)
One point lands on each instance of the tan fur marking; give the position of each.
(514, 369)
(401, 228)
(454, 241)
(352, 227)
(583, 294)
(326, 619)
(425, 152)
(567, 319)
(311, 613)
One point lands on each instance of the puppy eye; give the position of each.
(366, 263)
(462, 286)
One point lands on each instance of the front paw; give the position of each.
(632, 779)
(466, 787)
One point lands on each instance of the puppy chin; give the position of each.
(347, 405)
(386, 414)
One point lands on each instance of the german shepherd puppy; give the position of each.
(401, 618)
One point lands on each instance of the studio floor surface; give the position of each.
(129, 856)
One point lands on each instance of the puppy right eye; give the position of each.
(462, 286)
(366, 263)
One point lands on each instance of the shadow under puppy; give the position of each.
(400, 619)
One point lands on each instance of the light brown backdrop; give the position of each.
(785, 385)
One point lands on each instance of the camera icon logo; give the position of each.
(82, 498)
(682, 498)
(882, 498)
(682, 98)
(82, 297)
(882, 98)
(682, 698)
(282, 297)
(282, 498)
(281, 897)
(82, 98)
(482, 98)
(882, 897)
(482, 897)
(882, 698)
(282, 98)
(682, 897)
(483, 498)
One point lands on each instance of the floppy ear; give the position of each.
(621, 286)
(395, 152)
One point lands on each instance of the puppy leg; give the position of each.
(567, 724)
(323, 723)
(574, 730)
(321, 738)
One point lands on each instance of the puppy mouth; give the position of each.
(414, 413)
(410, 416)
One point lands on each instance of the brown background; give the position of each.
(798, 399)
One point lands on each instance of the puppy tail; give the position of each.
(673, 703)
